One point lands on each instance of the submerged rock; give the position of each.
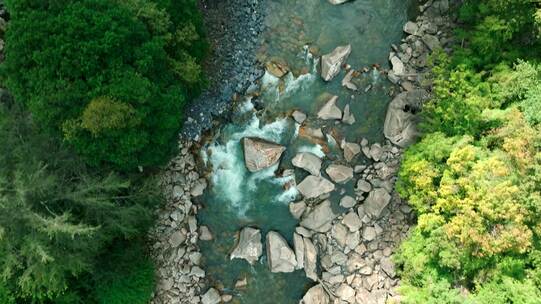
(308, 161)
(280, 256)
(314, 186)
(260, 154)
(339, 173)
(330, 63)
(330, 110)
(249, 246)
(319, 218)
(315, 295)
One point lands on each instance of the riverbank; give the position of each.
(354, 254)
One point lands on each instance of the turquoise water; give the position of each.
(298, 31)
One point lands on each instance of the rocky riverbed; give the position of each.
(346, 220)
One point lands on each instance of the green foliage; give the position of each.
(71, 61)
(475, 177)
(498, 30)
(126, 275)
(56, 216)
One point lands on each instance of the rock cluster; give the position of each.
(233, 28)
(180, 276)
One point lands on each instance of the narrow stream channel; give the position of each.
(238, 198)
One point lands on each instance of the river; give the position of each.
(297, 33)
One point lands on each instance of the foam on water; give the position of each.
(230, 177)
(315, 149)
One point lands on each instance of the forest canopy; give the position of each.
(109, 78)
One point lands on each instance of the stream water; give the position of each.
(238, 198)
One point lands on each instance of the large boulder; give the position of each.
(310, 259)
(320, 218)
(339, 173)
(330, 110)
(314, 186)
(211, 297)
(307, 161)
(249, 246)
(400, 122)
(376, 201)
(330, 63)
(260, 154)
(280, 256)
(315, 295)
(351, 150)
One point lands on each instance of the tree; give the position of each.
(57, 217)
(70, 62)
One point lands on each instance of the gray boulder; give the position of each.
(280, 256)
(260, 154)
(249, 246)
(315, 295)
(331, 63)
(339, 173)
(348, 117)
(330, 110)
(319, 218)
(314, 186)
(351, 150)
(298, 116)
(298, 246)
(310, 259)
(308, 161)
(400, 123)
(297, 209)
(336, 2)
(211, 297)
(376, 201)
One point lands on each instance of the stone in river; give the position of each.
(298, 116)
(330, 110)
(348, 117)
(398, 66)
(298, 246)
(400, 123)
(351, 150)
(310, 259)
(363, 186)
(352, 221)
(348, 202)
(205, 234)
(336, 2)
(280, 256)
(314, 186)
(339, 173)
(315, 295)
(411, 28)
(319, 218)
(260, 154)
(277, 69)
(297, 209)
(331, 63)
(346, 82)
(211, 297)
(307, 161)
(249, 246)
(376, 201)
